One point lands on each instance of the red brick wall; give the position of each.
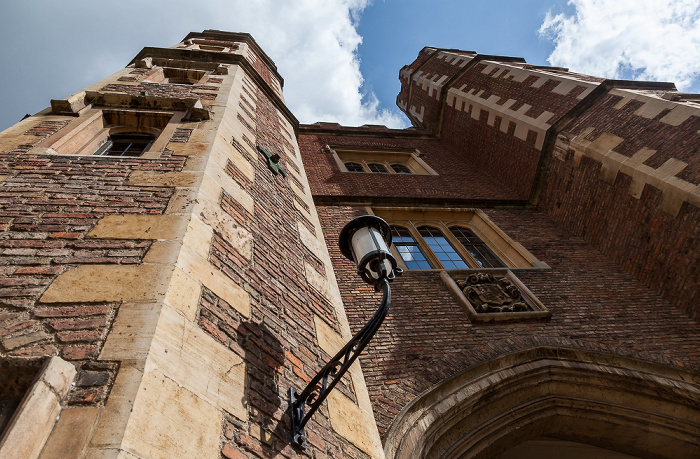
(426, 338)
(47, 206)
(659, 249)
(679, 142)
(456, 178)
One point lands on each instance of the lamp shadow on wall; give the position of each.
(267, 405)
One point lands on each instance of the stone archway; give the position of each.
(624, 405)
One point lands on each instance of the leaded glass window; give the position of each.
(408, 249)
(476, 248)
(443, 250)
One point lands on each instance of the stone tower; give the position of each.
(169, 265)
(161, 243)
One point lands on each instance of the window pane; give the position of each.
(476, 248)
(401, 169)
(377, 167)
(127, 144)
(442, 249)
(354, 167)
(408, 249)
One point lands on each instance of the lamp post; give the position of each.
(366, 241)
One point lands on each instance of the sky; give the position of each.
(340, 58)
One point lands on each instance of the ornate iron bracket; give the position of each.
(318, 389)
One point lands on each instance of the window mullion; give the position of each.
(458, 246)
(423, 245)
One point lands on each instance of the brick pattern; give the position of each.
(47, 206)
(426, 338)
(264, 71)
(640, 132)
(174, 91)
(659, 249)
(278, 341)
(181, 135)
(456, 179)
(45, 129)
(485, 149)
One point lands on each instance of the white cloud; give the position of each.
(313, 42)
(639, 39)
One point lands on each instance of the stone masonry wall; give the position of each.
(284, 279)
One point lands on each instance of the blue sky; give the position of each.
(341, 58)
(394, 31)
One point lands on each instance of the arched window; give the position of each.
(374, 167)
(126, 144)
(408, 249)
(442, 249)
(354, 167)
(476, 248)
(401, 169)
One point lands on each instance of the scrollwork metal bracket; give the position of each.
(320, 386)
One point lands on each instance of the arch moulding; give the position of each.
(630, 406)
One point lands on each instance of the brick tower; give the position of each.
(169, 265)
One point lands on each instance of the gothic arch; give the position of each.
(617, 403)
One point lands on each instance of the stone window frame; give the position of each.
(212, 46)
(163, 75)
(35, 417)
(412, 159)
(511, 253)
(85, 135)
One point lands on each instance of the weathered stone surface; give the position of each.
(117, 411)
(185, 423)
(355, 424)
(109, 283)
(71, 434)
(201, 269)
(186, 354)
(132, 332)
(139, 227)
(226, 226)
(188, 148)
(183, 294)
(163, 252)
(177, 179)
(22, 340)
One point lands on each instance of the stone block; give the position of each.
(217, 176)
(181, 202)
(117, 410)
(355, 424)
(132, 332)
(92, 283)
(139, 227)
(71, 434)
(183, 294)
(216, 219)
(163, 252)
(185, 353)
(166, 179)
(186, 425)
(188, 148)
